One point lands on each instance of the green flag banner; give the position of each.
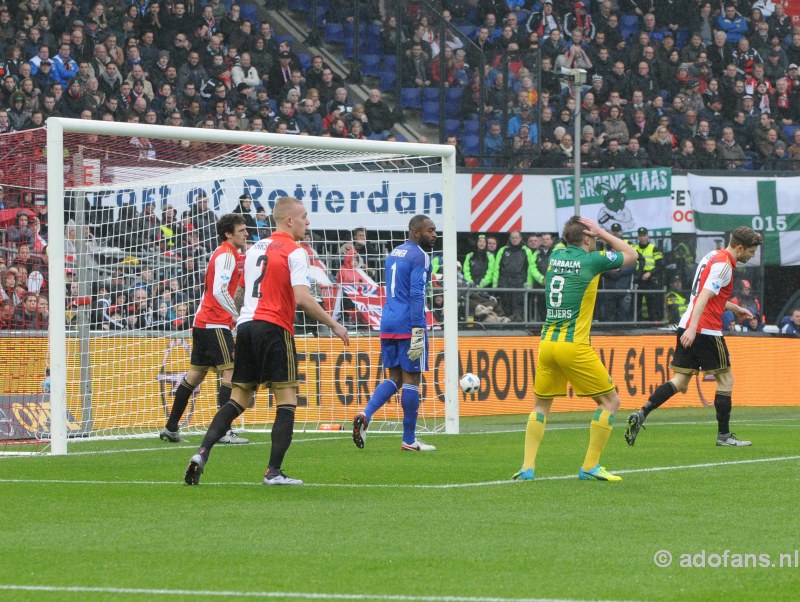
(768, 205)
(632, 198)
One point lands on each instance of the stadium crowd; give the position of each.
(690, 84)
(683, 83)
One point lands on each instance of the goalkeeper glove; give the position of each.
(417, 343)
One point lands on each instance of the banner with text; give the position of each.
(633, 198)
(336, 382)
(334, 200)
(485, 202)
(769, 205)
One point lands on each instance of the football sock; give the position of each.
(220, 425)
(662, 393)
(182, 395)
(599, 433)
(223, 394)
(534, 433)
(409, 398)
(383, 393)
(723, 404)
(282, 431)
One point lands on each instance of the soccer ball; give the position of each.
(470, 383)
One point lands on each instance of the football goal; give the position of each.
(132, 212)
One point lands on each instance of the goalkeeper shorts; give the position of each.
(394, 353)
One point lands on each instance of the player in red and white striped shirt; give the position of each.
(700, 344)
(275, 283)
(212, 340)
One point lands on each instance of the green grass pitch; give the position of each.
(113, 520)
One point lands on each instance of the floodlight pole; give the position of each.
(578, 77)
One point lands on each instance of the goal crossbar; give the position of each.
(57, 127)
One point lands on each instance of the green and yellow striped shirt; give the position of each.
(571, 290)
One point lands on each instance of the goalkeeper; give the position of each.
(404, 342)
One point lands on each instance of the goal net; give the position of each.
(132, 214)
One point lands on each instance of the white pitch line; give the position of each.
(411, 485)
(268, 595)
(343, 435)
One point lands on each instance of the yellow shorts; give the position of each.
(576, 363)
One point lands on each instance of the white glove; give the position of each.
(417, 343)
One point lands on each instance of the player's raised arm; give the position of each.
(620, 246)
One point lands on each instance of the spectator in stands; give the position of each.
(523, 149)
(21, 232)
(479, 265)
(245, 208)
(732, 23)
(494, 146)
(779, 159)
(391, 35)
(614, 126)
(280, 74)
(676, 302)
(204, 222)
(753, 324)
(731, 153)
(789, 324)
(416, 68)
(513, 271)
(379, 114)
(618, 305)
(26, 316)
(26, 260)
(708, 156)
(371, 253)
(358, 114)
(6, 314)
(308, 119)
(661, 147)
(9, 286)
(327, 86)
(65, 67)
(613, 158)
(635, 156)
(720, 54)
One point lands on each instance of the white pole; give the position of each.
(166, 132)
(57, 284)
(576, 145)
(450, 273)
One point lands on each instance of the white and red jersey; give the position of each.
(272, 266)
(715, 274)
(217, 309)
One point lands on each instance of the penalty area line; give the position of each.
(131, 591)
(412, 485)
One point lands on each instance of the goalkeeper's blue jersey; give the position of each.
(408, 270)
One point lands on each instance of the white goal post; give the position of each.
(60, 162)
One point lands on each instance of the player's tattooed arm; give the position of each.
(238, 299)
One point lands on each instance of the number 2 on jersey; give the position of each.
(262, 261)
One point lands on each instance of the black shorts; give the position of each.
(708, 353)
(265, 355)
(212, 348)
